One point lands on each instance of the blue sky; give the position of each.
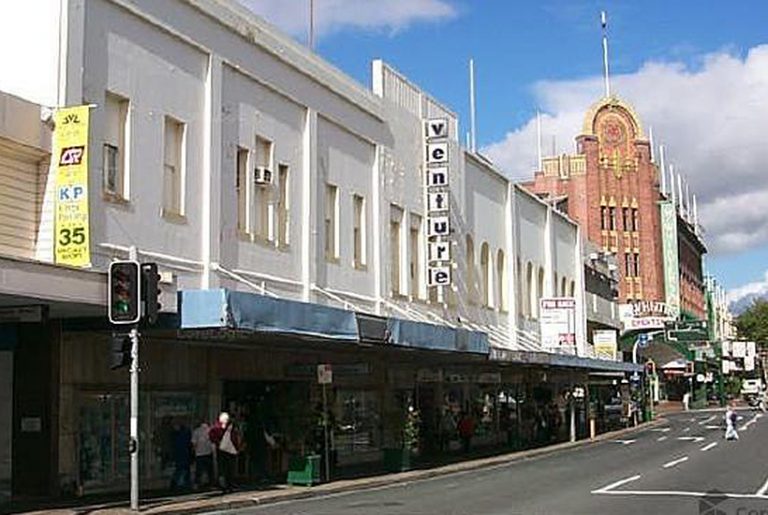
(695, 70)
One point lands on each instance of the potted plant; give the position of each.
(304, 461)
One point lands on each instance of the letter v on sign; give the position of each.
(437, 128)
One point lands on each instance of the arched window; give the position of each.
(539, 289)
(554, 291)
(529, 291)
(471, 283)
(562, 286)
(501, 280)
(519, 283)
(487, 270)
(573, 289)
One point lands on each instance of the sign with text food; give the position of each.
(557, 322)
(70, 152)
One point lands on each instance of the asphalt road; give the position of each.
(681, 467)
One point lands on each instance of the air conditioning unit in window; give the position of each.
(262, 176)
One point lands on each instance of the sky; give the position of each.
(695, 70)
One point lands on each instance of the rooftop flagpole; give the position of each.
(473, 134)
(606, 74)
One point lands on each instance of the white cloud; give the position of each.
(332, 15)
(713, 119)
(757, 288)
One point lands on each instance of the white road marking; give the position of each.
(679, 494)
(752, 421)
(661, 438)
(675, 462)
(661, 429)
(693, 419)
(691, 438)
(624, 442)
(713, 427)
(763, 489)
(686, 429)
(709, 446)
(709, 419)
(606, 489)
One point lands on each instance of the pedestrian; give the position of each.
(181, 438)
(447, 429)
(226, 440)
(730, 424)
(686, 401)
(466, 428)
(201, 442)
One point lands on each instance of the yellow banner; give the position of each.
(70, 150)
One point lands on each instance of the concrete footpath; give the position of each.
(212, 501)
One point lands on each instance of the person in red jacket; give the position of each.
(226, 441)
(466, 429)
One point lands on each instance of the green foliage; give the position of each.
(733, 386)
(753, 323)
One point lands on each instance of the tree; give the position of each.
(752, 324)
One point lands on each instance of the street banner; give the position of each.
(739, 349)
(669, 245)
(605, 344)
(70, 151)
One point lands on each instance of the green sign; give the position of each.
(669, 251)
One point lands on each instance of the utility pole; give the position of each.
(134, 430)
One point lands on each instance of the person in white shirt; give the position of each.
(203, 454)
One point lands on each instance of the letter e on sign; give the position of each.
(437, 153)
(439, 276)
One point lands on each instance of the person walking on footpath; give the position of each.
(201, 442)
(226, 441)
(466, 427)
(730, 424)
(686, 401)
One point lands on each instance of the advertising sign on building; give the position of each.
(438, 200)
(557, 321)
(645, 315)
(669, 248)
(605, 344)
(324, 374)
(70, 152)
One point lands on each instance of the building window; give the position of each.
(115, 146)
(241, 189)
(572, 289)
(636, 267)
(563, 282)
(283, 206)
(471, 283)
(530, 306)
(331, 222)
(628, 267)
(501, 280)
(395, 248)
(603, 217)
(612, 218)
(414, 252)
(262, 179)
(539, 290)
(487, 269)
(358, 231)
(625, 219)
(635, 220)
(173, 168)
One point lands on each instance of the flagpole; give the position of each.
(604, 23)
(311, 24)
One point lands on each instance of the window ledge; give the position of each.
(360, 267)
(115, 198)
(173, 217)
(332, 260)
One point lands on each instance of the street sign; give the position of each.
(324, 374)
(687, 331)
(642, 340)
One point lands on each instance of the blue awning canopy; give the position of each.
(234, 310)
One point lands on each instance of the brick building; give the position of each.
(611, 187)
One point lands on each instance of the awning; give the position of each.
(226, 309)
(561, 360)
(244, 311)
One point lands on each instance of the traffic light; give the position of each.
(151, 291)
(124, 292)
(121, 351)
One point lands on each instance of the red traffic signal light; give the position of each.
(650, 368)
(124, 292)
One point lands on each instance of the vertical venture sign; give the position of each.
(438, 202)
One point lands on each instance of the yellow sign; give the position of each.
(70, 151)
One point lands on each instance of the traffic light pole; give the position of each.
(134, 441)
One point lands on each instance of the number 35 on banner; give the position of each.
(72, 218)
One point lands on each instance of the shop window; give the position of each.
(115, 148)
(173, 167)
(357, 422)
